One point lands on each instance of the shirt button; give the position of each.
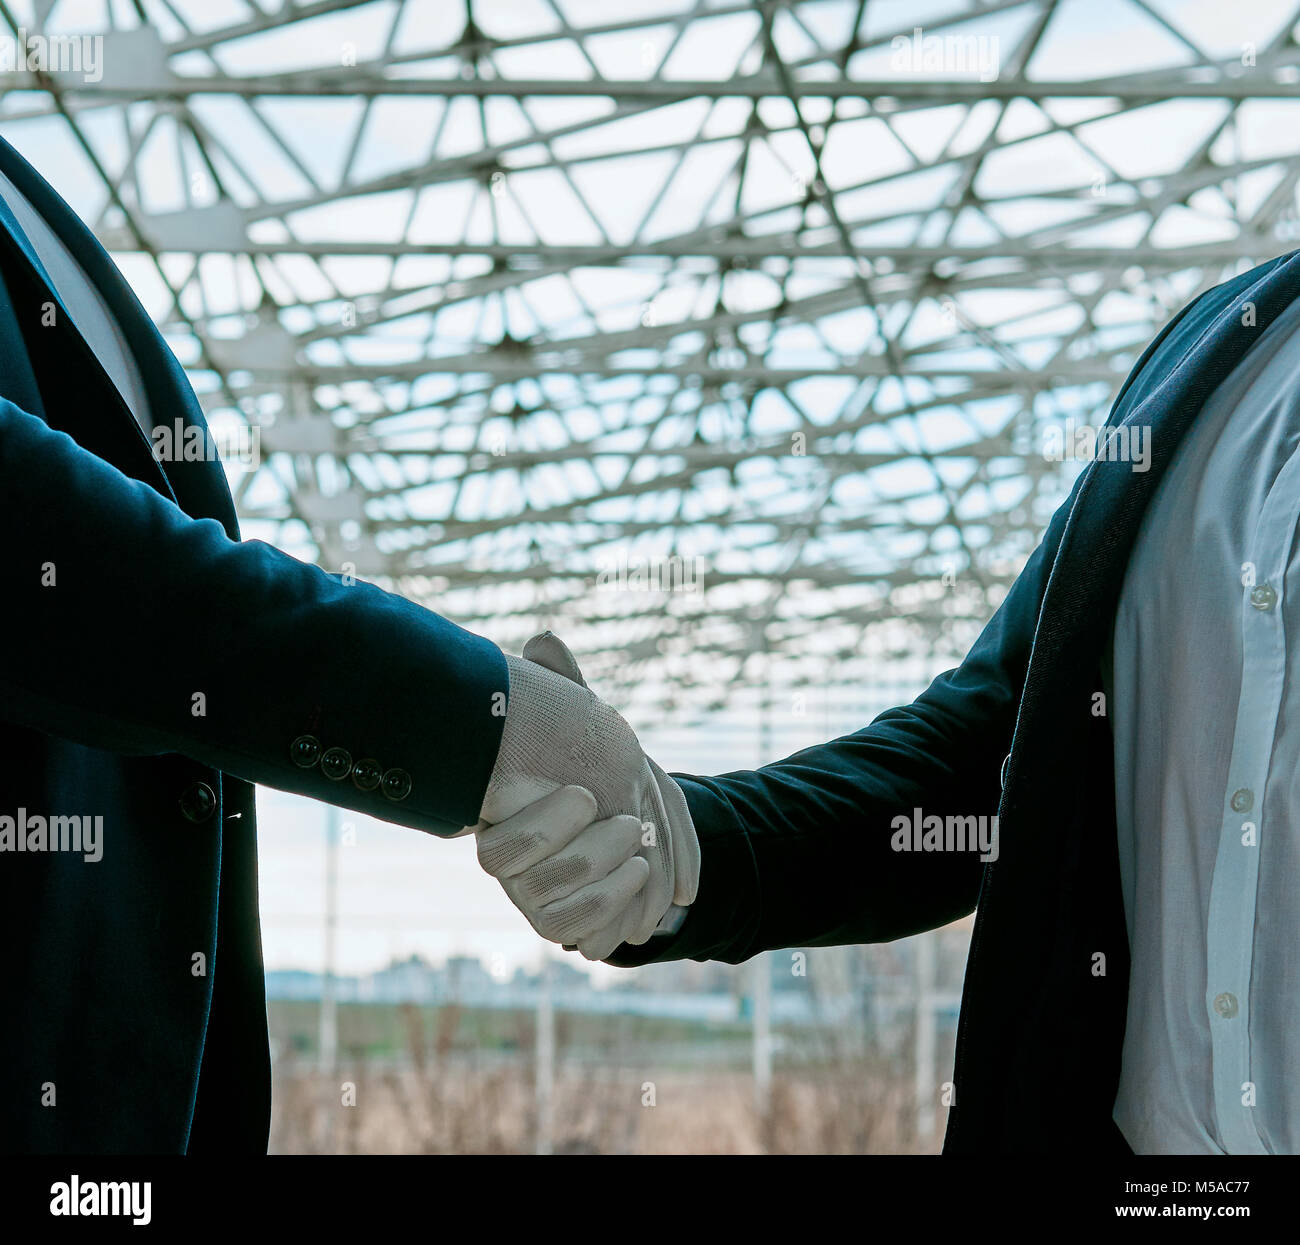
(1242, 800)
(1263, 597)
(1226, 1005)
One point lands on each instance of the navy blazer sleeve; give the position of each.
(124, 617)
(797, 853)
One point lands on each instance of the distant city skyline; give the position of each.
(709, 993)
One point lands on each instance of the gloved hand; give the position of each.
(572, 877)
(558, 733)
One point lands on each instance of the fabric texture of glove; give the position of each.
(572, 877)
(557, 733)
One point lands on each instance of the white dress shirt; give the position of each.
(1206, 716)
(85, 304)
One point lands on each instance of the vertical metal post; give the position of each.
(545, 1056)
(328, 1039)
(761, 970)
(926, 965)
(760, 966)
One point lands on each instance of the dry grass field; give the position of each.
(611, 1096)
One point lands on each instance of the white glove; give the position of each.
(558, 733)
(572, 877)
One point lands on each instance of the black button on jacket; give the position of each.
(135, 1004)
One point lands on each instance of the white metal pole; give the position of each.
(545, 1055)
(926, 964)
(760, 967)
(328, 1040)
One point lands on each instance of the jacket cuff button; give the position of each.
(336, 763)
(366, 774)
(198, 802)
(397, 784)
(305, 751)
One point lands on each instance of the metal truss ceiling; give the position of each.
(522, 293)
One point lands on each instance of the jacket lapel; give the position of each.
(1087, 574)
(1051, 904)
(199, 485)
(17, 380)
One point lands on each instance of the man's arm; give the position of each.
(135, 628)
(798, 853)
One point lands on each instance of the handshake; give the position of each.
(590, 839)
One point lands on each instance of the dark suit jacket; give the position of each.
(132, 987)
(154, 600)
(798, 853)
